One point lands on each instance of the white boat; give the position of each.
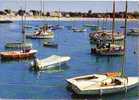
(44, 35)
(99, 84)
(49, 62)
(79, 29)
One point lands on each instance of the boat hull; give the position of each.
(17, 55)
(39, 36)
(18, 45)
(97, 90)
(116, 53)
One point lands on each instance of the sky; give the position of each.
(80, 6)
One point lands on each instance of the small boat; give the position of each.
(21, 54)
(108, 50)
(27, 26)
(133, 32)
(55, 27)
(50, 44)
(43, 33)
(100, 84)
(18, 45)
(79, 29)
(49, 62)
(5, 21)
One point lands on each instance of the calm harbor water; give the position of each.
(17, 81)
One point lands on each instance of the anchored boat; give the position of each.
(50, 44)
(21, 54)
(49, 62)
(99, 84)
(133, 32)
(42, 33)
(109, 49)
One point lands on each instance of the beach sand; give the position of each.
(37, 18)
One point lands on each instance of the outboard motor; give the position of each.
(36, 64)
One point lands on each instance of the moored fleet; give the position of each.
(105, 42)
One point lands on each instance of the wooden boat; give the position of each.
(49, 62)
(133, 32)
(21, 54)
(105, 35)
(50, 44)
(99, 84)
(18, 45)
(109, 49)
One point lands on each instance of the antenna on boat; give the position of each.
(113, 22)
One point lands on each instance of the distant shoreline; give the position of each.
(18, 18)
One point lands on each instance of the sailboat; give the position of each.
(19, 45)
(108, 49)
(43, 32)
(105, 34)
(100, 84)
(24, 53)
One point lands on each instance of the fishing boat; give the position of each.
(100, 84)
(109, 49)
(50, 44)
(42, 33)
(133, 32)
(49, 62)
(21, 54)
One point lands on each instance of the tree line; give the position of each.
(88, 14)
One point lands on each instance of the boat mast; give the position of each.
(124, 57)
(113, 22)
(23, 28)
(125, 25)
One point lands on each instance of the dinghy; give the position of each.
(99, 84)
(49, 62)
(79, 29)
(133, 32)
(50, 44)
